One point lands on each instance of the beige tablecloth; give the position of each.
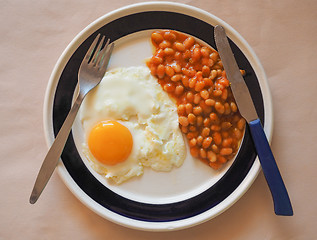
(282, 33)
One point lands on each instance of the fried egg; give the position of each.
(130, 123)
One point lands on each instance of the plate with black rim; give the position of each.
(156, 201)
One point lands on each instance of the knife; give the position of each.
(282, 203)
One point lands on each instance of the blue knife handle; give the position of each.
(282, 203)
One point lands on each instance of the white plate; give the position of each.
(156, 201)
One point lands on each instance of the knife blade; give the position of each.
(282, 203)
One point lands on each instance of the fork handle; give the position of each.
(54, 153)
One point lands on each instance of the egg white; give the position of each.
(132, 97)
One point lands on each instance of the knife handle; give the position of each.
(282, 203)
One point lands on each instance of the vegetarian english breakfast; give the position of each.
(137, 116)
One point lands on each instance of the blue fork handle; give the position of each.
(282, 203)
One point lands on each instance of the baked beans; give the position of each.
(193, 75)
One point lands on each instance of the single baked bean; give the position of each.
(169, 36)
(203, 153)
(181, 109)
(192, 82)
(219, 71)
(179, 46)
(160, 71)
(204, 61)
(192, 72)
(199, 86)
(217, 67)
(211, 63)
(217, 138)
(237, 133)
(200, 140)
(227, 108)
(217, 93)
(177, 68)
(183, 121)
(224, 82)
(205, 52)
(221, 159)
(189, 108)
(184, 129)
(192, 142)
(206, 142)
(220, 64)
(178, 55)
(241, 123)
(196, 54)
(215, 128)
(210, 102)
(186, 55)
(197, 110)
(160, 53)
(199, 121)
(227, 142)
(215, 148)
(197, 98)
(204, 94)
(226, 125)
(214, 117)
(194, 151)
(205, 132)
(225, 151)
(211, 156)
(219, 87)
(185, 71)
(207, 122)
(176, 77)
(205, 71)
(219, 107)
(191, 135)
(199, 74)
(179, 90)
(242, 72)
(214, 56)
(190, 97)
(185, 81)
(207, 110)
(233, 107)
(169, 51)
(156, 60)
(192, 128)
(213, 74)
(169, 71)
(189, 42)
(165, 44)
(191, 118)
(168, 87)
(157, 37)
(208, 82)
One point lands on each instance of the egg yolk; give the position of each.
(110, 142)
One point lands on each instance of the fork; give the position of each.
(91, 71)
